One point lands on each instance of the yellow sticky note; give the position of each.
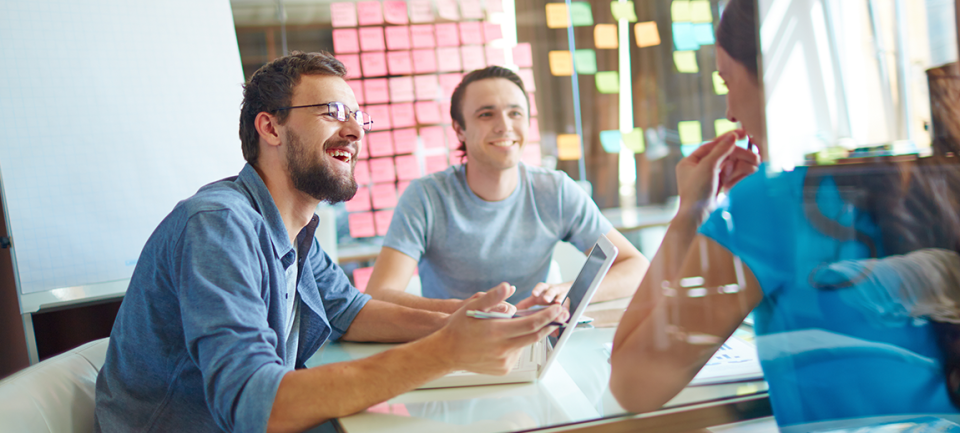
(680, 11)
(605, 36)
(568, 147)
(700, 11)
(647, 34)
(557, 17)
(608, 82)
(719, 86)
(623, 10)
(561, 63)
(723, 126)
(633, 140)
(686, 61)
(690, 132)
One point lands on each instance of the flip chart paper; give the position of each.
(357, 87)
(472, 57)
(399, 63)
(404, 140)
(395, 12)
(343, 14)
(605, 36)
(495, 56)
(381, 170)
(723, 126)
(380, 115)
(345, 41)
(686, 61)
(680, 11)
(361, 225)
(561, 63)
(398, 37)
(432, 137)
(526, 75)
(585, 61)
(435, 163)
(371, 39)
(422, 36)
(531, 155)
(568, 147)
(719, 86)
(352, 63)
(384, 195)
(690, 132)
(557, 17)
(380, 143)
(447, 9)
(703, 33)
(448, 59)
(647, 34)
(608, 82)
(382, 219)
(700, 11)
(623, 11)
(421, 11)
(683, 37)
(369, 13)
(401, 187)
(610, 140)
(523, 55)
(533, 134)
(376, 91)
(633, 140)
(449, 82)
(401, 89)
(492, 32)
(360, 201)
(470, 9)
(374, 64)
(471, 33)
(428, 112)
(361, 173)
(453, 141)
(361, 277)
(407, 167)
(424, 61)
(447, 35)
(581, 14)
(427, 87)
(402, 115)
(533, 104)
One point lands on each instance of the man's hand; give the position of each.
(545, 294)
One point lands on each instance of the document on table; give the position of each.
(735, 361)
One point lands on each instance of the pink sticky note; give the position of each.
(345, 41)
(494, 6)
(343, 14)
(361, 172)
(470, 9)
(432, 137)
(424, 61)
(471, 33)
(523, 55)
(375, 91)
(530, 154)
(352, 63)
(495, 56)
(401, 187)
(533, 134)
(452, 140)
(371, 39)
(357, 87)
(421, 11)
(407, 167)
(527, 76)
(422, 36)
(447, 9)
(447, 35)
(428, 112)
(360, 201)
(364, 153)
(384, 195)
(472, 56)
(445, 112)
(380, 143)
(381, 170)
(361, 277)
(398, 38)
(449, 82)
(401, 90)
(427, 87)
(395, 12)
(361, 225)
(448, 59)
(533, 103)
(369, 13)
(402, 115)
(399, 63)
(405, 140)
(382, 219)
(435, 163)
(373, 64)
(380, 115)
(492, 32)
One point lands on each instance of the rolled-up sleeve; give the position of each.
(341, 301)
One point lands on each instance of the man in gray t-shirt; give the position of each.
(493, 219)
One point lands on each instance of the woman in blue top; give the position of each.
(851, 271)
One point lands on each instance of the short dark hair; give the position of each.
(271, 87)
(456, 100)
(737, 33)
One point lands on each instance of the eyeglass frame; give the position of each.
(367, 127)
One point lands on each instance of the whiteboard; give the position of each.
(113, 112)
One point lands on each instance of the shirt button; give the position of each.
(287, 296)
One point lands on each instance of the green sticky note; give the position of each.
(700, 11)
(610, 140)
(585, 61)
(633, 140)
(623, 11)
(719, 86)
(723, 126)
(686, 61)
(580, 14)
(690, 132)
(608, 82)
(680, 11)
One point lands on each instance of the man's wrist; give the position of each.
(437, 345)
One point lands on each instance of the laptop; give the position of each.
(535, 359)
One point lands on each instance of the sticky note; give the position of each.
(432, 137)
(382, 220)
(523, 55)
(371, 39)
(568, 147)
(623, 11)
(404, 141)
(421, 11)
(470, 9)
(399, 63)
(703, 33)
(380, 143)
(369, 13)
(427, 87)
(343, 14)
(364, 152)
(719, 86)
(384, 195)
(561, 63)
(633, 140)
(361, 277)
(381, 170)
(380, 115)
(361, 173)
(494, 6)
(361, 225)
(647, 34)
(352, 63)
(608, 82)
(683, 37)
(401, 115)
(471, 33)
(492, 32)
(585, 61)
(557, 17)
(401, 187)
(723, 126)
(533, 103)
(526, 75)
(580, 14)
(373, 64)
(398, 37)
(447, 9)
(345, 41)
(700, 11)
(449, 82)
(445, 111)
(686, 61)
(424, 61)
(495, 56)
(533, 133)
(605, 36)
(472, 57)
(360, 201)
(610, 140)
(530, 155)
(357, 87)
(447, 35)
(690, 132)
(680, 11)
(453, 141)
(435, 163)
(395, 11)
(376, 91)
(448, 59)
(407, 167)
(401, 89)
(422, 36)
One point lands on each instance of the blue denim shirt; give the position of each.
(197, 344)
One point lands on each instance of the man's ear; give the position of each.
(461, 136)
(268, 127)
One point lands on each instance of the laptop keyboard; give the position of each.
(463, 372)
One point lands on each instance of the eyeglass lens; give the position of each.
(341, 112)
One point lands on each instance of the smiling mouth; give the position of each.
(341, 155)
(503, 143)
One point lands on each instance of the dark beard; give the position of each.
(312, 176)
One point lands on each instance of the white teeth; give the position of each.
(504, 143)
(340, 153)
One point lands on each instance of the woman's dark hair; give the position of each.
(737, 33)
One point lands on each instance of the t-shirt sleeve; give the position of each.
(581, 219)
(341, 301)
(754, 223)
(408, 228)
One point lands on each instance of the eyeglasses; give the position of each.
(341, 112)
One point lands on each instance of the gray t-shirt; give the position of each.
(466, 245)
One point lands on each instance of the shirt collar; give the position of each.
(264, 204)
